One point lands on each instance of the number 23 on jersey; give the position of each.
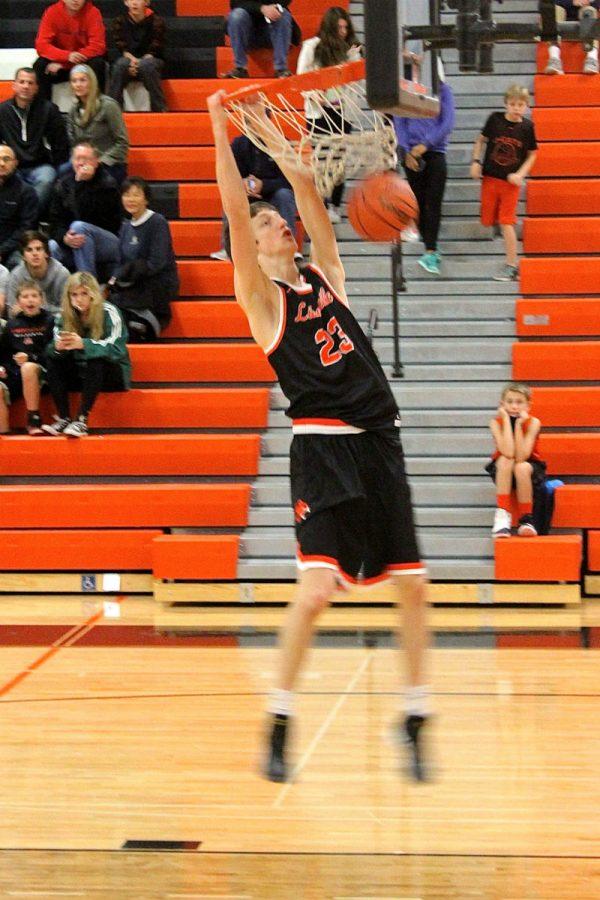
(330, 356)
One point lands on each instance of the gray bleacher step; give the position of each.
(455, 268)
(524, 69)
(444, 329)
(470, 209)
(281, 543)
(425, 516)
(459, 373)
(415, 465)
(462, 287)
(424, 442)
(436, 309)
(449, 231)
(427, 491)
(477, 247)
(437, 569)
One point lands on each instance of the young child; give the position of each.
(510, 152)
(23, 344)
(515, 462)
(137, 52)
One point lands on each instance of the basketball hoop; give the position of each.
(336, 97)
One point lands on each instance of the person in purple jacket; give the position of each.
(422, 145)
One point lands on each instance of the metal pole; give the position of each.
(398, 286)
(434, 19)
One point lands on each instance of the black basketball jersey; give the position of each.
(325, 365)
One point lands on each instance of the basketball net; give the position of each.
(322, 118)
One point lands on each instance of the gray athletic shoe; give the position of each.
(590, 66)
(554, 66)
(507, 273)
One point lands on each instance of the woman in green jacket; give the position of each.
(96, 118)
(88, 353)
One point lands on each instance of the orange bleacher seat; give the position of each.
(552, 90)
(205, 278)
(562, 235)
(200, 362)
(579, 275)
(593, 551)
(126, 454)
(556, 360)
(171, 129)
(577, 506)
(173, 163)
(195, 238)
(172, 408)
(547, 558)
(576, 407)
(576, 123)
(195, 557)
(187, 94)
(207, 319)
(68, 550)
(199, 201)
(571, 454)
(564, 197)
(6, 90)
(562, 160)
(558, 317)
(124, 505)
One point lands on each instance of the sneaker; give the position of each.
(236, 72)
(430, 263)
(78, 428)
(526, 527)
(34, 424)
(507, 273)
(282, 73)
(220, 254)
(411, 737)
(334, 215)
(276, 768)
(58, 427)
(590, 66)
(502, 523)
(554, 66)
(410, 235)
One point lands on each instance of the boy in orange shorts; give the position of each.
(510, 152)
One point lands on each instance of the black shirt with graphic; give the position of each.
(508, 144)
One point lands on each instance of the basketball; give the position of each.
(381, 206)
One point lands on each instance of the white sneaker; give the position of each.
(334, 215)
(220, 254)
(554, 66)
(590, 66)
(502, 523)
(410, 235)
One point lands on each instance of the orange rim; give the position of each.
(318, 80)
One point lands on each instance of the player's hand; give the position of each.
(475, 171)
(418, 150)
(53, 68)
(77, 58)
(20, 358)
(523, 416)
(515, 178)
(411, 162)
(2, 372)
(270, 11)
(503, 413)
(216, 110)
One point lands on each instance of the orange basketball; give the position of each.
(381, 206)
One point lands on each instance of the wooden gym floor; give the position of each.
(111, 733)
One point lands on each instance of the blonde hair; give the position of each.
(28, 285)
(71, 321)
(517, 387)
(92, 101)
(516, 92)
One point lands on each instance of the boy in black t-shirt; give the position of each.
(510, 152)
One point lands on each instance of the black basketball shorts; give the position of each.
(352, 505)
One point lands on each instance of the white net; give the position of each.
(332, 130)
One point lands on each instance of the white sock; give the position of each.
(593, 53)
(417, 701)
(281, 703)
(554, 52)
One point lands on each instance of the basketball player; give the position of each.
(350, 498)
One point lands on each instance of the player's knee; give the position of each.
(413, 589)
(522, 470)
(316, 600)
(29, 371)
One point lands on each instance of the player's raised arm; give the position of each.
(311, 208)
(255, 292)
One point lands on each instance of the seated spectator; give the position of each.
(335, 43)
(70, 32)
(38, 266)
(96, 118)
(22, 353)
(36, 131)
(18, 208)
(4, 276)
(88, 353)
(146, 281)
(263, 180)
(571, 11)
(85, 215)
(251, 25)
(138, 39)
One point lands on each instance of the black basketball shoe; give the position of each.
(410, 734)
(275, 766)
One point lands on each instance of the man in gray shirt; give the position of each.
(38, 266)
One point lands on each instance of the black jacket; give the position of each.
(25, 130)
(252, 161)
(18, 213)
(139, 38)
(97, 202)
(26, 334)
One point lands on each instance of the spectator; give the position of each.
(88, 353)
(423, 144)
(96, 118)
(146, 281)
(28, 331)
(335, 43)
(138, 53)
(263, 180)
(18, 207)
(516, 462)
(38, 266)
(570, 11)
(510, 152)
(85, 214)
(251, 25)
(36, 131)
(71, 32)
